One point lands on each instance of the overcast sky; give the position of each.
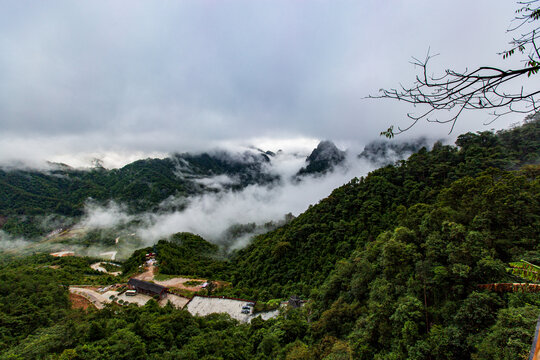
(127, 79)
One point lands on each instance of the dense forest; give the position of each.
(389, 265)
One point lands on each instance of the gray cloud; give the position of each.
(121, 77)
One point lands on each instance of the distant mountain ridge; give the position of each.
(142, 183)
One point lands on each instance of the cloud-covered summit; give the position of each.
(322, 159)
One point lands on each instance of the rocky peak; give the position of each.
(322, 159)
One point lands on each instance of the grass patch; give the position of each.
(267, 306)
(182, 292)
(162, 277)
(193, 282)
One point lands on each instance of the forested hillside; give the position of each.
(389, 265)
(141, 185)
(299, 256)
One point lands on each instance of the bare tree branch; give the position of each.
(454, 92)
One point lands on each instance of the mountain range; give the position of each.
(146, 184)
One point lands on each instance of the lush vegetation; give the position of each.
(143, 184)
(183, 254)
(33, 293)
(152, 332)
(189, 254)
(299, 255)
(390, 264)
(412, 293)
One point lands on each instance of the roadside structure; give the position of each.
(148, 288)
(295, 302)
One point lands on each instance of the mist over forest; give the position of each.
(251, 190)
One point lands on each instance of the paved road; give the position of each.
(94, 297)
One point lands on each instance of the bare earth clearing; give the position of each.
(179, 283)
(148, 275)
(98, 299)
(79, 302)
(198, 305)
(177, 301)
(93, 296)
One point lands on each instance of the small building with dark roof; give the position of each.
(148, 288)
(295, 302)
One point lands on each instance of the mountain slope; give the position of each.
(299, 256)
(386, 152)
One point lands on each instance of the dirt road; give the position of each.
(148, 275)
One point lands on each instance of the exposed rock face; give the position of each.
(323, 159)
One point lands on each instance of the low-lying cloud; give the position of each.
(211, 214)
(9, 242)
(104, 217)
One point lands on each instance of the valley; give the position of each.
(394, 264)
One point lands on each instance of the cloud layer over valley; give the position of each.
(212, 214)
(231, 195)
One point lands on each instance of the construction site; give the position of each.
(144, 287)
